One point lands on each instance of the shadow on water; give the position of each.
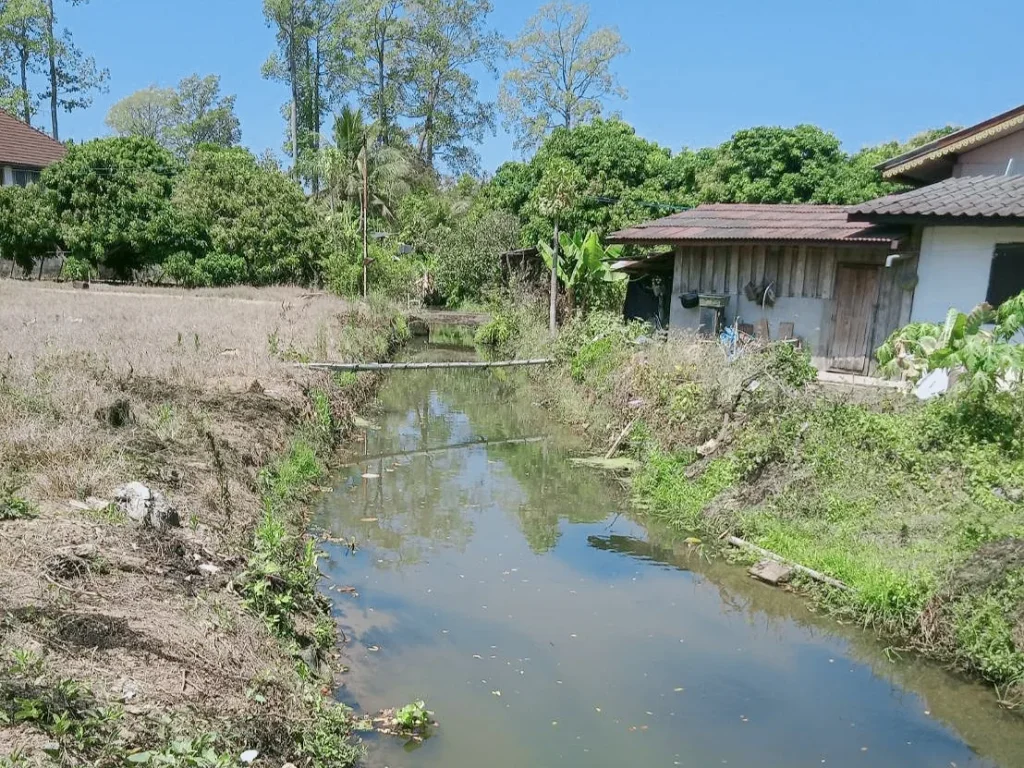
(544, 625)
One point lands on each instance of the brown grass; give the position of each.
(213, 397)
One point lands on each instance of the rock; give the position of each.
(147, 507)
(117, 415)
(708, 448)
(209, 568)
(772, 572)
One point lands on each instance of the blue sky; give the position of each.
(867, 70)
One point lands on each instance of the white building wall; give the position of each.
(993, 159)
(954, 268)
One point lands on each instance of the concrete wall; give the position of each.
(954, 268)
(992, 159)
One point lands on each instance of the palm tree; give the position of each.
(360, 170)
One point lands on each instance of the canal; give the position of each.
(544, 625)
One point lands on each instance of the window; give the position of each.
(23, 178)
(1007, 276)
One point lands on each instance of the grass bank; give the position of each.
(196, 635)
(916, 506)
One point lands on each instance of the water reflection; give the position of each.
(545, 626)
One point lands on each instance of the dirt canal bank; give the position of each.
(544, 625)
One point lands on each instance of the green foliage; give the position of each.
(113, 200)
(13, 506)
(260, 227)
(28, 225)
(597, 344)
(62, 708)
(77, 269)
(985, 626)
(980, 343)
(197, 752)
(499, 331)
(413, 717)
(791, 365)
(665, 490)
(584, 268)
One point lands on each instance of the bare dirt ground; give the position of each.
(190, 394)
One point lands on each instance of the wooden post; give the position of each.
(366, 213)
(553, 319)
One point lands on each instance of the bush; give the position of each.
(260, 227)
(28, 225)
(113, 201)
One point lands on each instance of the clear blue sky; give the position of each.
(868, 71)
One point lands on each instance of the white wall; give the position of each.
(954, 268)
(992, 159)
(8, 176)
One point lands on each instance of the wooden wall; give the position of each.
(801, 270)
(805, 271)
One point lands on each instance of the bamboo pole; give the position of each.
(816, 575)
(446, 448)
(420, 366)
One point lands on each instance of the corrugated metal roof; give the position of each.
(26, 147)
(746, 221)
(990, 197)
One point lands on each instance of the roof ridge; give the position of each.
(31, 127)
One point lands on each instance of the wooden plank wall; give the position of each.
(805, 271)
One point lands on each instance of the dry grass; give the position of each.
(213, 396)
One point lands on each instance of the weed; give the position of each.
(274, 343)
(325, 632)
(413, 717)
(13, 506)
(165, 422)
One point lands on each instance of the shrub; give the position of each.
(28, 225)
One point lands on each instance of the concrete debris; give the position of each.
(772, 572)
(147, 507)
(708, 448)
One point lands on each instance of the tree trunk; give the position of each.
(26, 104)
(315, 182)
(293, 69)
(365, 214)
(553, 319)
(51, 50)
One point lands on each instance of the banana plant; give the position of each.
(584, 265)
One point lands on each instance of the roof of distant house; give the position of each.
(966, 197)
(763, 222)
(934, 160)
(24, 146)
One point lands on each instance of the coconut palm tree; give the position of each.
(361, 171)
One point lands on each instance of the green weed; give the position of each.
(13, 506)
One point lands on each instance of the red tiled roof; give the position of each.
(26, 147)
(744, 221)
(987, 197)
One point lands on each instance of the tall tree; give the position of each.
(179, 118)
(201, 115)
(451, 37)
(376, 35)
(563, 73)
(147, 113)
(291, 20)
(22, 42)
(73, 77)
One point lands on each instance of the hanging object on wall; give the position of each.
(762, 294)
(689, 300)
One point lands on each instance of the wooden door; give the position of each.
(853, 318)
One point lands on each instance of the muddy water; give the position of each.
(546, 627)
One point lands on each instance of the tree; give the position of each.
(180, 119)
(72, 76)
(451, 37)
(201, 115)
(556, 194)
(112, 198)
(260, 227)
(563, 73)
(148, 113)
(376, 35)
(585, 267)
(21, 44)
(292, 22)
(28, 225)
(361, 169)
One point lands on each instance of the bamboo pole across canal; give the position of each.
(422, 366)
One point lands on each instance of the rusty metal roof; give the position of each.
(746, 221)
(25, 147)
(966, 197)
